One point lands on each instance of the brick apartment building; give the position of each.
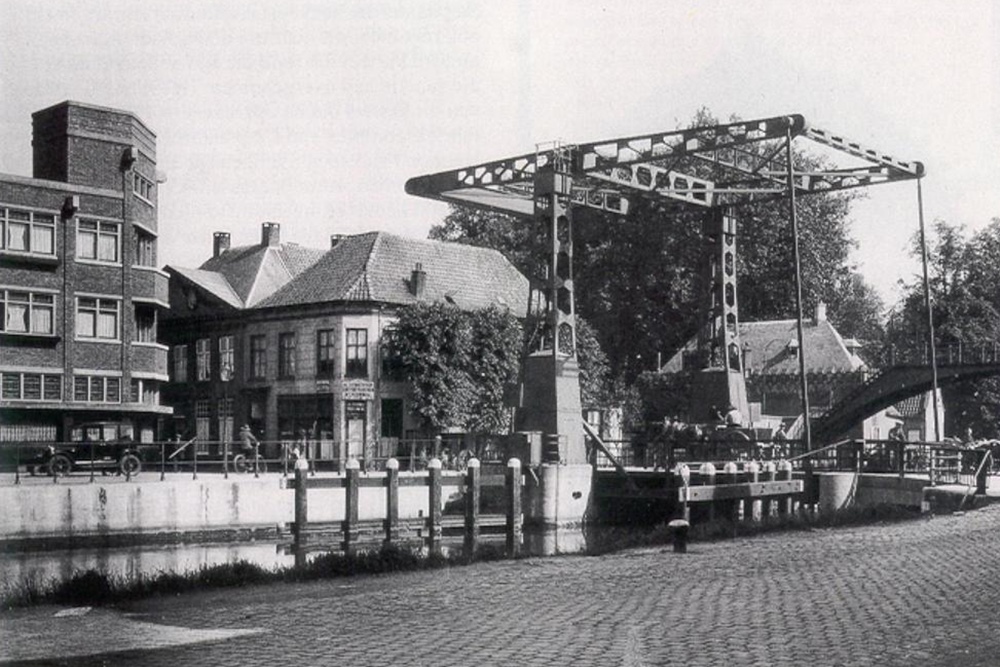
(80, 294)
(289, 339)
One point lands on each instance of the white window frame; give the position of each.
(19, 394)
(99, 230)
(99, 386)
(36, 302)
(142, 187)
(37, 223)
(102, 307)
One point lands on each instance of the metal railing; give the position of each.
(75, 461)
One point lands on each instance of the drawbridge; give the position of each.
(898, 382)
(715, 169)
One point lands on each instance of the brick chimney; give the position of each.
(335, 240)
(220, 243)
(270, 234)
(418, 281)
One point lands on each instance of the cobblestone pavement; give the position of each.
(917, 593)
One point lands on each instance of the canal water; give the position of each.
(51, 566)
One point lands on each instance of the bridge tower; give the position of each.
(719, 382)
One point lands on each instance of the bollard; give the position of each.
(392, 501)
(353, 470)
(731, 508)
(707, 473)
(434, 506)
(683, 474)
(784, 472)
(472, 494)
(513, 507)
(679, 535)
(769, 474)
(751, 507)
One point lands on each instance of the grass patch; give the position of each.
(95, 588)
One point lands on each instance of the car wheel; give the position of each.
(130, 465)
(60, 465)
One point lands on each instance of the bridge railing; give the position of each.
(954, 353)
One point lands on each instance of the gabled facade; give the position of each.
(80, 295)
(288, 339)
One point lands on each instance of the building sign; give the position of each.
(358, 390)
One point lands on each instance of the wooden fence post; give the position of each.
(472, 493)
(513, 507)
(353, 470)
(769, 474)
(731, 508)
(750, 506)
(434, 505)
(391, 501)
(707, 473)
(784, 472)
(301, 512)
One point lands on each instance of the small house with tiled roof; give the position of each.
(771, 362)
(288, 339)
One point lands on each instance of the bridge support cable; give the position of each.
(804, 383)
(930, 312)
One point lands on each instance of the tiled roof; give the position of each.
(378, 266)
(372, 267)
(256, 272)
(912, 406)
(769, 350)
(770, 353)
(213, 283)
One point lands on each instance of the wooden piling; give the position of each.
(707, 474)
(784, 473)
(472, 496)
(513, 484)
(730, 509)
(434, 506)
(770, 474)
(351, 531)
(392, 501)
(751, 507)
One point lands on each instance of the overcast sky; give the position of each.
(314, 114)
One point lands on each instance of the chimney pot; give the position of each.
(418, 281)
(270, 234)
(220, 243)
(335, 240)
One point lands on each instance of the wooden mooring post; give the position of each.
(472, 495)
(751, 507)
(513, 486)
(432, 525)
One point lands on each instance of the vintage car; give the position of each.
(104, 446)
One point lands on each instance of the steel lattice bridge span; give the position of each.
(715, 169)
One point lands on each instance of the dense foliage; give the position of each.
(458, 364)
(964, 276)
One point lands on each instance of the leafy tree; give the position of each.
(458, 364)
(964, 277)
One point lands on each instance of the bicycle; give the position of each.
(245, 462)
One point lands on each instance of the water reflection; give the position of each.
(149, 561)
